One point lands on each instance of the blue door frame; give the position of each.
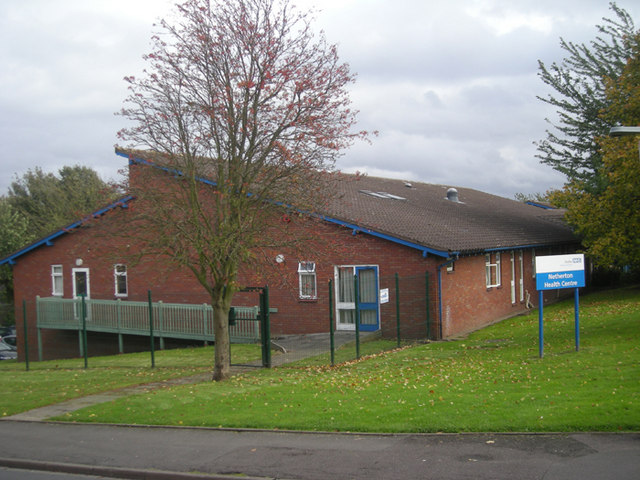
(368, 303)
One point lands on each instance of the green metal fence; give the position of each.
(170, 320)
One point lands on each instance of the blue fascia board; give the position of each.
(49, 240)
(540, 205)
(358, 229)
(516, 247)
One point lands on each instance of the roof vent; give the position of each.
(452, 195)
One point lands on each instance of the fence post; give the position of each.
(266, 330)
(428, 306)
(397, 309)
(26, 341)
(119, 325)
(84, 332)
(205, 323)
(331, 335)
(38, 333)
(160, 325)
(356, 297)
(153, 351)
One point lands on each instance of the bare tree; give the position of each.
(248, 110)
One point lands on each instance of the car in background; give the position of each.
(10, 330)
(7, 353)
(10, 340)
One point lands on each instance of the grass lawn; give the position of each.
(55, 381)
(491, 381)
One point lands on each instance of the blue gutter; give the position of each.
(356, 228)
(172, 171)
(514, 247)
(540, 205)
(49, 240)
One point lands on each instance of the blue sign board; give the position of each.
(560, 271)
(554, 272)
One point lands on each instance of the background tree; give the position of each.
(241, 93)
(579, 85)
(49, 202)
(609, 221)
(39, 203)
(14, 233)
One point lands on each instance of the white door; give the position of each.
(81, 285)
(81, 288)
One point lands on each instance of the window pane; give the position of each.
(367, 280)
(56, 280)
(347, 316)
(120, 272)
(308, 285)
(81, 284)
(306, 267)
(121, 285)
(368, 317)
(57, 285)
(345, 285)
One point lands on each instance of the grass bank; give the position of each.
(55, 381)
(491, 381)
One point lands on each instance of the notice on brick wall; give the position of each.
(384, 295)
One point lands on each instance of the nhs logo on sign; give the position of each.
(560, 271)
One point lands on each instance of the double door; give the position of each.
(367, 298)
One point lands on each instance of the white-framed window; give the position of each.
(492, 269)
(521, 279)
(533, 263)
(307, 280)
(120, 280)
(57, 283)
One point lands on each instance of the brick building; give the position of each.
(464, 258)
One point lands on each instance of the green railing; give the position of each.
(170, 320)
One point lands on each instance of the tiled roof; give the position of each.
(421, 214)
(418, 215)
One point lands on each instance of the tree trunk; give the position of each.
(222, 363)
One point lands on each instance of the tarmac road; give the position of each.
(167, 453)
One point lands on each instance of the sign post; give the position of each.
(555, 272)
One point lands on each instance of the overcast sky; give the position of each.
(450, 85)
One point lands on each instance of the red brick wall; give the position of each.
(467, 304)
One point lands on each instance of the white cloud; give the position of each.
(451, 86)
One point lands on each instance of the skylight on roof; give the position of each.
(385, 195)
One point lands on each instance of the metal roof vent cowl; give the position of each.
(452, 195)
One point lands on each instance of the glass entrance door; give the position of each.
(367, 298)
